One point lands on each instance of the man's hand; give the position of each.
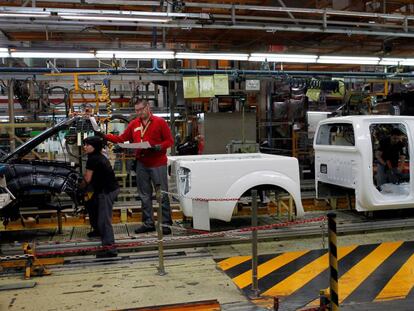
(156, 148)
(99, 134)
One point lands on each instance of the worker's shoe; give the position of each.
(166, 230)
(106, 254)
(144, 228)
(93, 234)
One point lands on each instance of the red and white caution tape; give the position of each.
(178, 196)
(154, 241)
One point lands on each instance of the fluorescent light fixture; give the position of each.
(7, 117)
(84, 55)
(4, 52)
(135, 54)
(218, 56)
(285, 58)
(45, 14)
(391, 61)
(407, 62)
(165, 114)
(115, 18)
(348, 60)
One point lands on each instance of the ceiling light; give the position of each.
(348, 60)
(285, 58)
(114, 18)
(166, 114)
(136, 54)
(391, 61)
(4, 52)
(218, 56)
(60, 55)
(407, 62)
(24, 15)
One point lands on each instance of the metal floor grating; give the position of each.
(132, 227)
(120, 231)
(66, 235)
(80, 232)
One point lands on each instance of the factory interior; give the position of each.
(206, 155)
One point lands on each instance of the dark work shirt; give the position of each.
(391, 152)
(103, 177)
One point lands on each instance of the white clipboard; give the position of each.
(141, 145)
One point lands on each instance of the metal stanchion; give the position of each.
(333, 262)
(323, 300)
(59, 220)
(255, 284)
(275, 303)
(323, 225)
(161, 269)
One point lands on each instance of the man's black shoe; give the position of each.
(93, 234)
(106, 255)
(143, 229)
(166, 230)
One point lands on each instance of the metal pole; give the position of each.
(161, 269)
(10, 93)
(242, 102)
(333, 262)
(59, 220)
(171, 103)
(255, 284)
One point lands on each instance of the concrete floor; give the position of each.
(132, 283)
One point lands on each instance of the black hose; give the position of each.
(65, 92)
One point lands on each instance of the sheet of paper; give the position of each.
(191, 88)
(221, 84)
(141, 145)
(206, 86)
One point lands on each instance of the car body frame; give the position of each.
(346, 162)
(209, 186)
(28, 179)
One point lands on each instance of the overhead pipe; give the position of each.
(354, 30)
(295, 73)
(221, 6)
(234, 72)
(348, 28)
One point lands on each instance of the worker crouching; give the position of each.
(100, 178)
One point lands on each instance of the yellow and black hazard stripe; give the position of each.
(333, 262)
(366, 273)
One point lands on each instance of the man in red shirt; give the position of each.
(151, 163)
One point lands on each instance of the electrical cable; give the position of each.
(64, 100)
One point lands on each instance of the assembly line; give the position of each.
(216, 155)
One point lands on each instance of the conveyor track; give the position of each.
(146, 242)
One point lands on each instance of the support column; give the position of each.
(172, 100)
(10, 94)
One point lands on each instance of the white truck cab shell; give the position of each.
(222, 178)
(349, 162)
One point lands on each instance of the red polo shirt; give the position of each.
(156, 132)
